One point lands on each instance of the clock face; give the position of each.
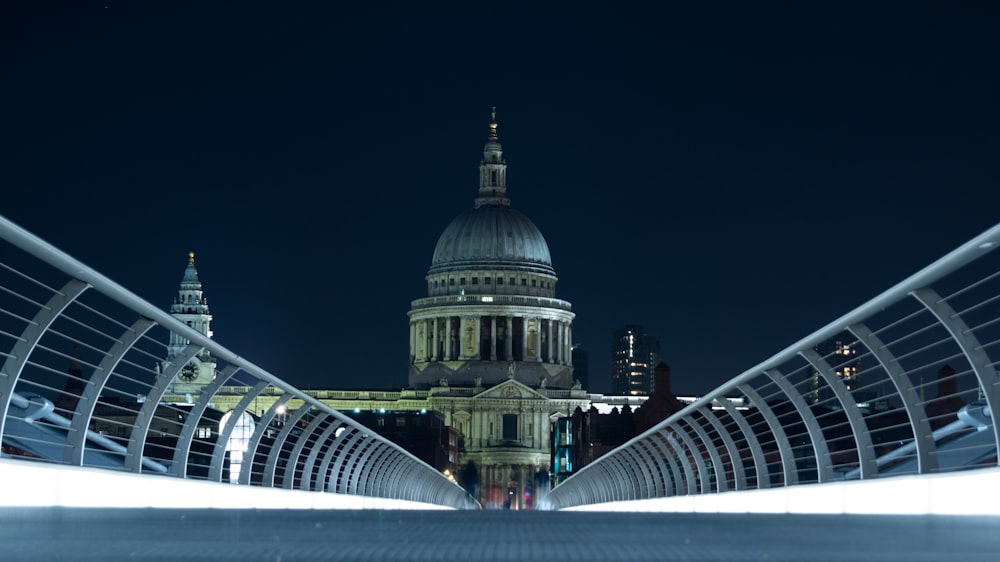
(188, 373)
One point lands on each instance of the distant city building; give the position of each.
(423, 433)
(635, 355)
(842, 357)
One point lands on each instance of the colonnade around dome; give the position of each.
(491, 337)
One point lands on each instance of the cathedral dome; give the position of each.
(491, 236)
(491, 312)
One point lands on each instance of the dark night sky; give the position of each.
(733, 179)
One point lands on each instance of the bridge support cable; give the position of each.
(616, 473)
(147, 411)
(761, 479)
(654, 463)
(662, 458)
(280, 440)
(862, 437)
(789, 468)
(974, 352)
(10, 373)
(690, 450)
(342, 455)
(76, 438)
(258, 434)
(639, 466)
(916, 415)
(821, 452)
(690, 480)
(304, 439)
(309, 467)
(226, 431)
(640, 473)
(183, 450)
(380, 466)
(669, 461)
(721, 484)
(329, 467)
(366, 464)
(735, 461)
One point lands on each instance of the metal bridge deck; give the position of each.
(84, 535)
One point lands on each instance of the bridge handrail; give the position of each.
(183, 437)
(847, 401)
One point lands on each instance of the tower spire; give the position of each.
(493, 169)
(191, 308)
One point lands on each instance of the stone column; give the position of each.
(467, 338)
(569, 343)
(493, 338)
(552, 342)
(557, 342)
(553, 332)
(413, 348)
(479, 337)
(434, 340)
(538, 340)
(509, 339)
(524, 338)
(563, 350)
(447, 339)
(419, 343)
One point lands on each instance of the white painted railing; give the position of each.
(905, 384)
(81, 385)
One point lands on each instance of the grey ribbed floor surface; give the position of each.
(41, 534)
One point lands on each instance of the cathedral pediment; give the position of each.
(510, 389)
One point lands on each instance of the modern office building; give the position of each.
(841, 355)
(634, 355)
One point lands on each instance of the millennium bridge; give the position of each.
(870, 439)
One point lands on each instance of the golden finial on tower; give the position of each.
(190, 258)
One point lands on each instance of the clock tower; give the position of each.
(191, 308)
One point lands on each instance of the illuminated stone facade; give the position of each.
(191, 308)
(490, 347)
(491, 311)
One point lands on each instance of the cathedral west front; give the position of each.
(490, 346)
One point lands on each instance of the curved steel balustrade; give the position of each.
(81, 385)
(904, 384)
